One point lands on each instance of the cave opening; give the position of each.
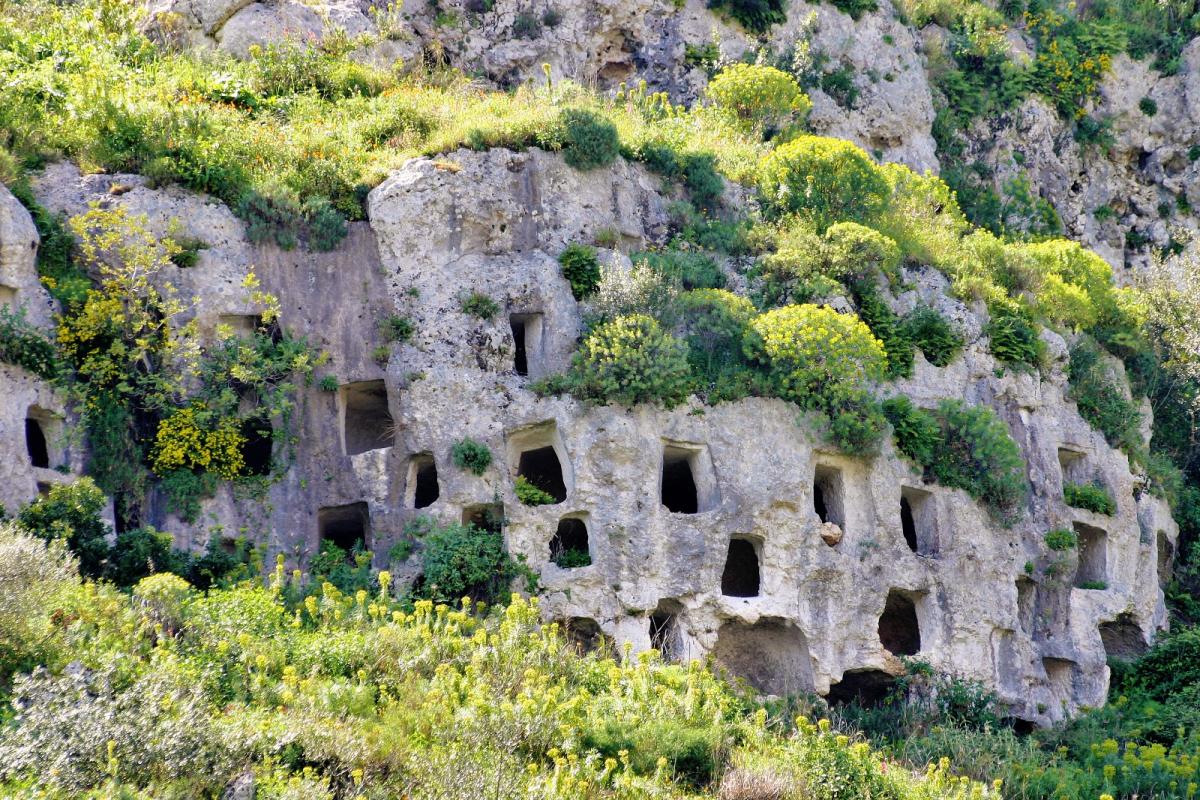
(827, 496)
(346, 526)
(678, 490)
(569, 547)
(366, 417)
(423, 480)
(741, 577)
(899, 629)
(35, 443)
(542, 469)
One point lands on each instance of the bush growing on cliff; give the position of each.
(581, 268)
(763, 98)
(23, 345)
(1089, 496)
(471, 455)
(1101, 400)
(631, 360)
(756, 16)
(815, 356)
(589, 140)
(826, 180)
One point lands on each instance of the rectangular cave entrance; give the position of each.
(866, 687)
(541, 468)
(899, 627)
(1060, 674)
(366, 417)
(664, 630)
(741, 578)
(569, 547)
(36, 445)
(8, 296)
(1026, 604)
(241, 325)
(1073, 465)
(687, 484)
(527, 343)
(485, 516)
(918, 520)
(1093, 557)
(422, 484)
(258, 443)
(585, 635)
(829, 495)
(1166, 556)
(348, 527)
(771, 655)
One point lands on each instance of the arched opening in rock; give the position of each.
(867, 687)
(347, 526)
(569, 547)
(43, 489)
(423, 489)
(1122, 638)
(585, 635)
(366, 417)
(542, 468)
(679, 493)
(740, 577)
(35, 443)
(1073, 465)
(664, 630)
(828, 500)
(899, 629)
(1093, 557)
(1021, 727)
(257, 446)
(771, 655)
(1166, 557)
(527, 343)
(485, 516)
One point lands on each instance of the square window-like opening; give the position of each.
(1073, 465)
(899, 627)
(918, 521)
(828, 495)
(1093, 557)
(257, 446)
(1026, 604)
(366, 417)
(8, 296)
(569, 547)
(242, 326)
(527, 343)
(1122, 638)
(542, 469)
(422, 486)
(771, 655)
(741, 578)
(687, 481)
(348, 526)
(485, 516)
(1060, 674)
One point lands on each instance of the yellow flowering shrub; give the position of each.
(182, 443)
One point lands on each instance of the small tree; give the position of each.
(764, 99)
(631, 360)
(828, 180)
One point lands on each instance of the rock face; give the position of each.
(726, 530)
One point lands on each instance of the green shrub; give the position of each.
(328, 383)
(397, 329)
(631, 360)
(936, 338)
(140, 552)
(463, 561)
(918, 434)
(1089, 496)
(1100, 400)
(692, 269)
(1148, 106)
(23, 345)
(979, 456)
(184, 489)
(1101, 585)
(854, 252)
(1014, 341)
(828, 180)
(348, 571)
(886, 327)
(857, 426)
(71, 513)
(815, 356)
(1061, 539)
(589, 140)
(703, 182)
(756, 16)
(530, 495)
(714, 323)
(855, 8)
(762, 98)
(1171, 667)
(471, 455)
(480, 305)
(581, 268)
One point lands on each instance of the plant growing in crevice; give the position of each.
(470, 455)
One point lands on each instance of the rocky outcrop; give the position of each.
(728, 530)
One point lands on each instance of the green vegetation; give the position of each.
(589, 140)
(1089, 496)
(473, 456)
(764, 99)
(480, 305)
(825, 180)
(581, 268)
(631, 360)
(25, 346)
(530, 495)
(1061, 539)
(397, 329)
(756, 16)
